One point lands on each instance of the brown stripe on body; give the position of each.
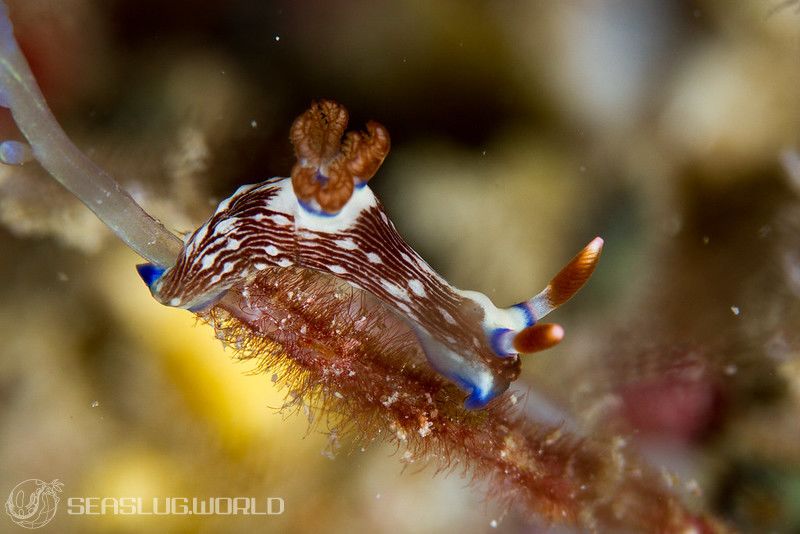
(252, 225)
(399, 266)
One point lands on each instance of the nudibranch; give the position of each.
(325, 218)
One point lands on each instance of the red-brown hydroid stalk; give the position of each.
(342, 352)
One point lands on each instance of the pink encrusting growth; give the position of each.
(325, 218)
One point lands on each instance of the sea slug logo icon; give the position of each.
(33, 502)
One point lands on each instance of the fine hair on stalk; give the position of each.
(340, 352)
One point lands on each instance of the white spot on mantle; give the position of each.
(280, 220)
(225, 226)
(374, 258)
(208, 261)
(417, 287)
(447, 316)
(395, 290)
(346, 244)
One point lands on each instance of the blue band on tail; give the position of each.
(495, 341)
(478, 398)
(525, 308)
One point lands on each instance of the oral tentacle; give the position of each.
(538, 337)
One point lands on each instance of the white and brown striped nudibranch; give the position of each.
(325, 218)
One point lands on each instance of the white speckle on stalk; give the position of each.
(694, 488)
(390, 399)
(425, 429)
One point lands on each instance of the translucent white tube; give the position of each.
(62, 159)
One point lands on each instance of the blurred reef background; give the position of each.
(520, 130)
